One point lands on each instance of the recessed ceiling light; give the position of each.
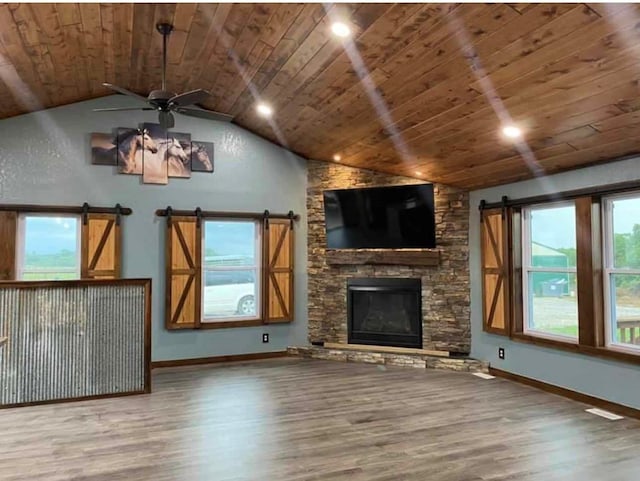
(264, 110)
(340, 29)
(337, 157)
(418, 172)
(511, 131)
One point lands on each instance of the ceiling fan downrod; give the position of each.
(165, 30)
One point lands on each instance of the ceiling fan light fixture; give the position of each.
(264, 110)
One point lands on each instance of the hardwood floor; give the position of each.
(293, 419)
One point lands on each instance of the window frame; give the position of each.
(258, 267)
(609, 269)
(21, 243)
(590, 249)
(527, 268)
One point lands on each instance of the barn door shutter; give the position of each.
(495, 269)
(278, 270)
(101, 247)
(184, 274)
(8, 226)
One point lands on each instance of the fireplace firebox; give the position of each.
(385, 312)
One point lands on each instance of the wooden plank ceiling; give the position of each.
(420, 89)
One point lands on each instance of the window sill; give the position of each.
(550, 337)
(228, 324)
(602, 352)
(241, 323)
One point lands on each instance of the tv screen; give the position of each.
(396, 217)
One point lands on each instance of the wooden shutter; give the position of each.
(184, 273)
(495, 269)
(278, 271)
(100, 247)
(8, 227)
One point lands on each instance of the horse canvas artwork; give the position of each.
(152, 152)
(103, 150)
(155, 170)
(130, 146)
(177, 158)
(201, 156)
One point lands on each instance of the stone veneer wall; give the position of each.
(445, 288)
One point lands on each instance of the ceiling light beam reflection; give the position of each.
(253, 91)
(25, 97)
(488, 90)
(376, 100)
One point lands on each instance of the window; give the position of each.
(622, 271)
(231, 270)
(549, 271)
(225, 270)
(49, 247)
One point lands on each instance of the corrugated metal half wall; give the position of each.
(73, 339)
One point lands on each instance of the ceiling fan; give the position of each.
(166, 102)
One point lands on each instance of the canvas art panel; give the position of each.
(152, 152)
(154, 159)
(103, 149)
(131, 142)
(201, 156)
(179, 155)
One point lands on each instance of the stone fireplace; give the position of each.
(444, 285)
(384, 312)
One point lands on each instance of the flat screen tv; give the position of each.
(395, 217)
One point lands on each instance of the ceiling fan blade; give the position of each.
(166, 120)
(204, 114)
(190, 98)
(122, 91)
(120, 109)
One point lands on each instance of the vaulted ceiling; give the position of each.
(419, 89)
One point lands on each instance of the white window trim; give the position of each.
(257, 268)
(527, 268)
(20, 249)
(609, 269)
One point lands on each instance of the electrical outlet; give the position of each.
(265, 337)
(501, 352)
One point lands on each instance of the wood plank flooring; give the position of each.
(293, 419)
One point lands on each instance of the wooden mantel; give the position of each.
(398, 257)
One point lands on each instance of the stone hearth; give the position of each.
(390, 359)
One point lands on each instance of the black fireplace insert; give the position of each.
(385, 312)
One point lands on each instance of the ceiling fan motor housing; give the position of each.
(160, 99)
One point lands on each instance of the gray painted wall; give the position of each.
(617, 382)
(45, 159)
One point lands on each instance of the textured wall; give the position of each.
(445, 289)
(44, 159)
(617, 382)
